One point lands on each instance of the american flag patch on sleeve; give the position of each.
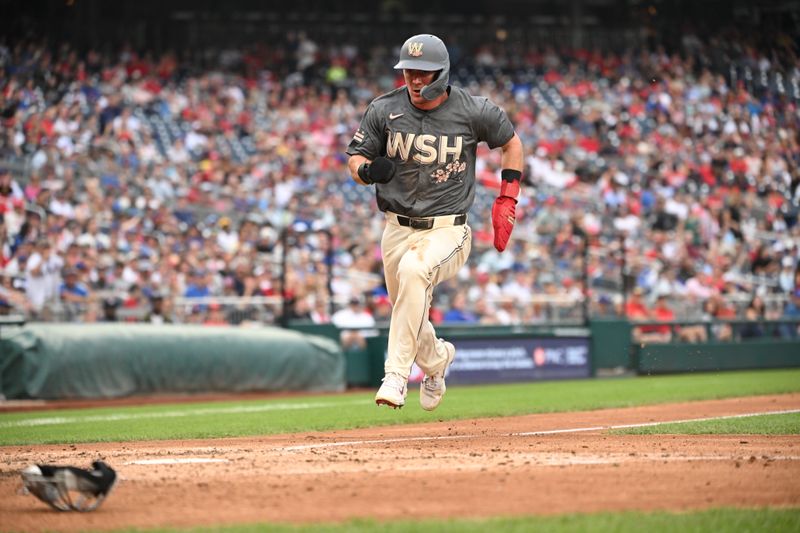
(359, 136)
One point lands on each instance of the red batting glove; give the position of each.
(504, 214)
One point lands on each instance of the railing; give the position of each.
(557, 309)
(12, 321)
(257, 309)
(228, 310)
(693, 331)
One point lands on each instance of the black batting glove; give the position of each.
(381, 170)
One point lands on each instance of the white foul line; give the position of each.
(529, 433)
(238, 409)
(650, 424)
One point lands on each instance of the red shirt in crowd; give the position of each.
(664, 314)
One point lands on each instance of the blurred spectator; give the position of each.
(382, 309)
(134, 298)
(458, 311)
(157, 313)
(662, 313)
(604, 307)
(635, 307)
(11, 299)
(198, 285)
(483, 289)
(661, 219)
(791, 312)
(319, 313)
(753, 329)
(215, 316)
(9, 188)
(42, 276)
(75, 296)
(356, 324)
(758, 307)
(301, 308)
(786, 278)
(110, 307)
(5, 244)
(716, 309)
(507, 313)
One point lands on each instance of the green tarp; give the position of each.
(51, 361)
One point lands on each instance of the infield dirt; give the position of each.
(458, 469)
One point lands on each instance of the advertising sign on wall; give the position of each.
(517, 359)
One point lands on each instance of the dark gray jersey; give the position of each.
(434, 151)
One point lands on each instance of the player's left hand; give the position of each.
(504, 214)
(381, 170)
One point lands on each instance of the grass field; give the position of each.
(782, 424)
(356, 410)
(716, 520)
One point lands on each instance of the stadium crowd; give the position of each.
(135, 184)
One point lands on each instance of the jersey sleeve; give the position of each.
(368, 139)
(493, 125)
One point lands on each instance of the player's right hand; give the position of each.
(381, 170)
(503, 217)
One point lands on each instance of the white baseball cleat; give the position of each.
(432, 387)
(393, 391)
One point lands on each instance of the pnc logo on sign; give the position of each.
(539, 356)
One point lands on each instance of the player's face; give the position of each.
(415, 81)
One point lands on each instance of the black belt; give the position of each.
(426, 223)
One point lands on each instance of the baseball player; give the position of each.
(417, 145)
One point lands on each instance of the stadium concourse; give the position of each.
(154, 186)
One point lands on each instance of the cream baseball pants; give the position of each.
(414, 262)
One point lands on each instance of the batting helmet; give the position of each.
(427, 52)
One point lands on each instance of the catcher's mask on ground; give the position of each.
(68, 488)
(427, 52)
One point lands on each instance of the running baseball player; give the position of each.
(417, 145)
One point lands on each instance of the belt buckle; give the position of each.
(420, 223)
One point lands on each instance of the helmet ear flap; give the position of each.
(437, 87)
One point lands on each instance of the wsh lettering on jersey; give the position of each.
(425, 149)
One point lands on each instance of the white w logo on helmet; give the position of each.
(415, 49)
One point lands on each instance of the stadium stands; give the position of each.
(676, 172)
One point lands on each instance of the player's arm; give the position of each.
(493, 126)
(505, 205)
(512, 154)
(353, 165)
(365, 164)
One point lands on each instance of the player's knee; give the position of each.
(409, 270)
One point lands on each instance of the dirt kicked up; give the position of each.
(536, 464)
